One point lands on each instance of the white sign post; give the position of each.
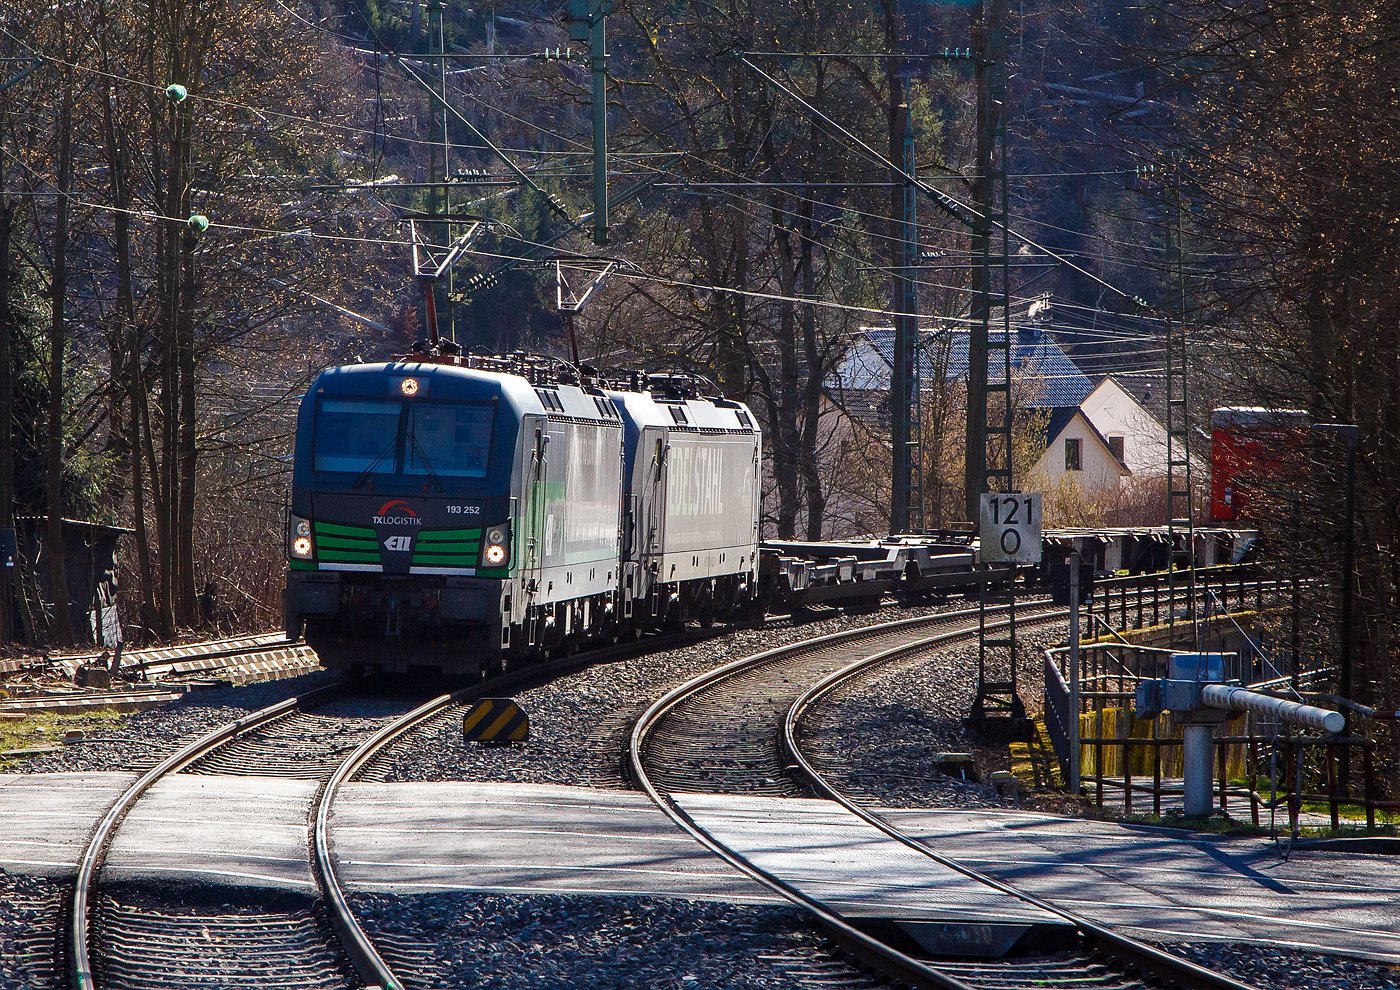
(1010, 529)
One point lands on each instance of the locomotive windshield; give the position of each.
(356, 435)
(448, 440)
(362, 436)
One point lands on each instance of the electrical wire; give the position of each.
(374, 134)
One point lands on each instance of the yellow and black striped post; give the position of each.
(496, 720)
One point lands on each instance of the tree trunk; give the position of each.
(787, 445)
(7, 457)
(811, 350)
(164, 329)
(137, 386)
(53, 461)
(167, 505)
(119, 335)
(189, 602)
(812, 389)
(785, 402)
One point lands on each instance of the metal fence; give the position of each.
(1268, 765)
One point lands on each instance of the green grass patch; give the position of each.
(1351, 812)
(1210, 824)
(45, 729)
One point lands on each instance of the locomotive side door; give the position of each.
(651, 513)
(533, 460)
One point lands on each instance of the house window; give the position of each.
(1115, 446)
(1072, 460)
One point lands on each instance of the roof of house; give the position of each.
(867, 365)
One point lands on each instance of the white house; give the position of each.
(1136, 437)
(1077, 453)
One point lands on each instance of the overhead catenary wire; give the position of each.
(939, 196)
(395, 242)
(153, 217)
(373, 132)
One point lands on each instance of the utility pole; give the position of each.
(436, 296)
(1180, 517)
(906, 498)
(989, 420)
(997, 711)
(1072, 729)
(8, 538)
(587, 20)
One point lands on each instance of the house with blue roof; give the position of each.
(1102, 446)
(1076, 452)
(861, 384)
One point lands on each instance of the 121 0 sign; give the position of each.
(1010, 528)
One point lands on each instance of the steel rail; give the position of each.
(80, 963)
(145, 658)
(231, 653)
(356, 944)
(368, 962)
(898, 965)
(1129, 951)
(371, 965)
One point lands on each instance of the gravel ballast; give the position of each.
(878, 736)
(30, 930)
(882, 733)
(586, 943)
(1272, 968)
(580, 723)
(143, 738)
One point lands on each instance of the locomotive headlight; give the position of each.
(301, 539)
(496, 542)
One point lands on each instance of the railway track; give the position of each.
(135, 941)
(147, 940)
(318, 942)
(733, 731)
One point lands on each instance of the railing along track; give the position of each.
(883, 644)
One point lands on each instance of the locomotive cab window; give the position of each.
(357, 435)
(453, 441)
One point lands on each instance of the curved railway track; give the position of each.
(318, 736)
(733, 731)
(322, 944)
(146, 943)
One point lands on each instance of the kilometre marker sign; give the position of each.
(1010, 529)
